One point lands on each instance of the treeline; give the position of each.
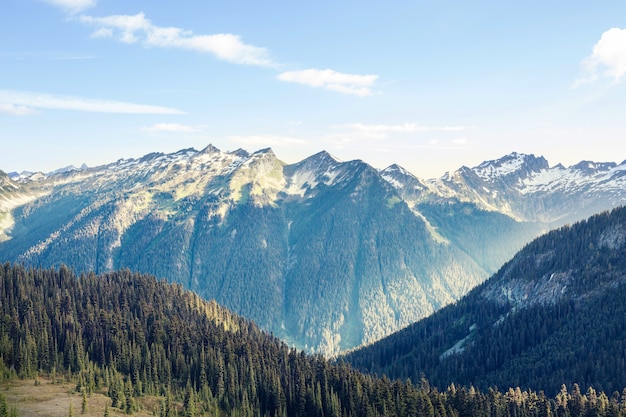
(130, 335)
(574, 331)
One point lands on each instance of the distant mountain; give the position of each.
(326, 254)
(553, 315)
(526, 188)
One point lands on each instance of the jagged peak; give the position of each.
(26, 176)
(590, 167)
(64, 170)
(322, 157)
(210, 149)
(242, 153)
(320, 161)
(266, 154)
(149, 157)
(264, 151)
(5, 179)
(396, 168)
(400, 178)
(512, 157)
(325, 155)
(510, 164)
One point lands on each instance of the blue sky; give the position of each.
(431, 85)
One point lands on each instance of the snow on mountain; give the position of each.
(408, 186)
(12, 195)
(402, 179)
(303, 177)
(521, 186)
(580, 177)
(514, 164)
(526, 188)
(63, 170)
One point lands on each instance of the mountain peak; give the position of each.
(5, 179)
(319, 161)
(590, 167)
(324, 156)
(263, 152)
(518, 164)
(151, 156)
(65, 170)
(401, 179)
(210, 149)
(242, 153)
(396, 168)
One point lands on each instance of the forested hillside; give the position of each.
(554, 314)
(129, 335)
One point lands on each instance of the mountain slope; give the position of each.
(323, 253)
(326, 254)
(130, 336)
(552, 315)
(145, 343)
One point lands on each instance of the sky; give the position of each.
(429, 85)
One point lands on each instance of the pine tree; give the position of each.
(190, 402)
(129, 406)
(83, 408)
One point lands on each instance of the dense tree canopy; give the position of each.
(553, 315)
(135, 336)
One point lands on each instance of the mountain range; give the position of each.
(328, 255)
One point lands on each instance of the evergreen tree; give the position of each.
(83, 408)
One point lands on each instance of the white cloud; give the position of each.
(14, 110)
(360, 85)
(138, 29)
(18, 99)
(268, 140)
(609, 54)
(72, 6)
(172, 127)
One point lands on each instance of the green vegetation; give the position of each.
(132, 336)
(554, 314)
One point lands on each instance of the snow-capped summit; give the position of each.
(407, 185)
(64, 170)
(514, 164)
(308, 173)
(526, 188)
(590, 167)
